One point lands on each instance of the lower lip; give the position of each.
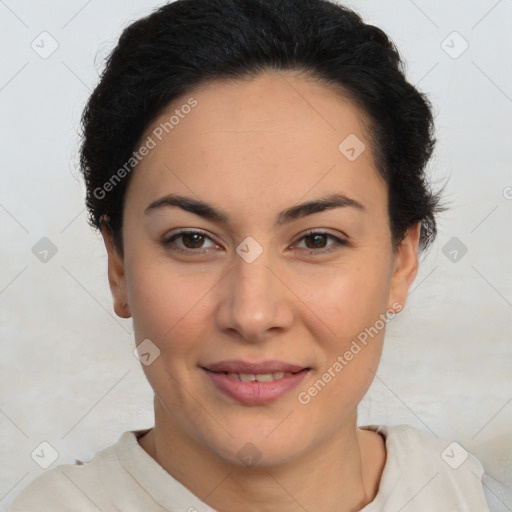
(255, 393)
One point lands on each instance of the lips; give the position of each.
(255, 383)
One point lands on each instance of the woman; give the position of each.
(256, 169)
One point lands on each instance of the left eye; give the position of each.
(320, 238)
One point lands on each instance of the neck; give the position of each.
(340, 475)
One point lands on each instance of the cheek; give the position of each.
(164, 304)
(352, 307)
(349, 299)
(352, 303)
(167, 309)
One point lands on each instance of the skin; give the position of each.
(253, 148)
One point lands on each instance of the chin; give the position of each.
(256, 443)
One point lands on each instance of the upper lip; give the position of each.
(240, 366)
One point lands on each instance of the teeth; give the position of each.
(264, 377)
(260, 377)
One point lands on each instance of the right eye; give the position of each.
(190, 242)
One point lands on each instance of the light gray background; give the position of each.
(68, 375)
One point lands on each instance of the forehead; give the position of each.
(244, 140)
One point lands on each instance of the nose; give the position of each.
(255, 300)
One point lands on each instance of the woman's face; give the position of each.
(254, 292)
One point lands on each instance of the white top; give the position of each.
(422, 473)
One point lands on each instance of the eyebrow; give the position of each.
(212, 213)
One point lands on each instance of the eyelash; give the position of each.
(338, 241)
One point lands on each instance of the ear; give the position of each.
(116, 274)
(405, 268)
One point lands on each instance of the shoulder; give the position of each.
(70, 487)
(54, 490)
(422, 449)
(423, 470)
(498, 494)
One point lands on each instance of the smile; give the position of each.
(259, 377)
(254, 388)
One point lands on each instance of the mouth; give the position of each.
(267, 367)
(260, 377)
(255, 383)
